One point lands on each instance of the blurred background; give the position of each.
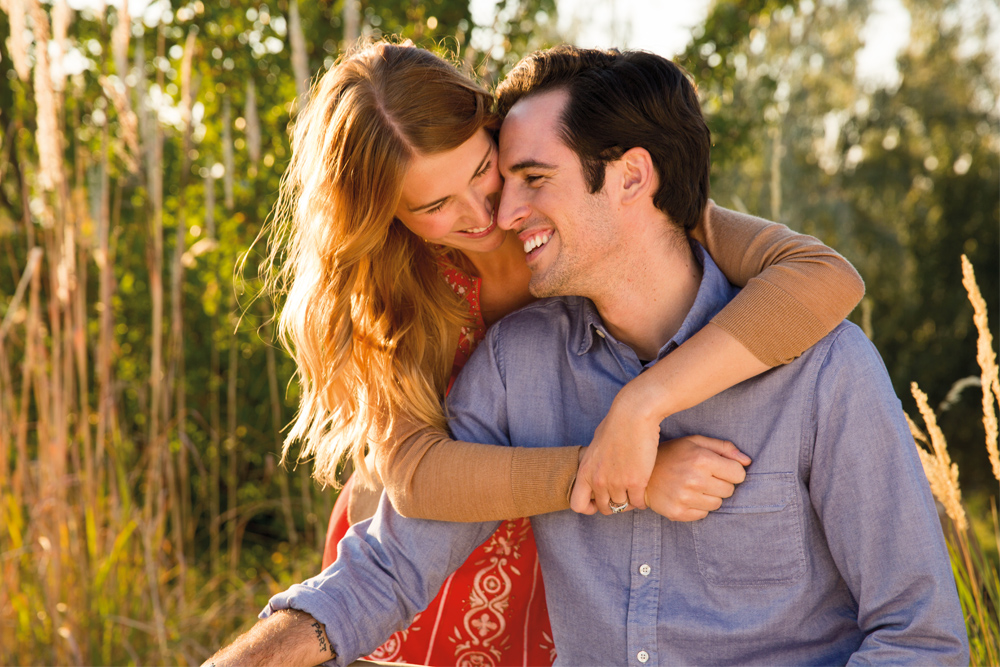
(143, 515)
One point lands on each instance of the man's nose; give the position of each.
(512, 209)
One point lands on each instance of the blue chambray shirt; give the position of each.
(829, 553)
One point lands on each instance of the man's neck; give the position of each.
(647, 300)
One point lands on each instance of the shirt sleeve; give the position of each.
(879, 518)
(795, 289)
(388, 569)
(429, 475)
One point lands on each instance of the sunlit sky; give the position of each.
(664, 27)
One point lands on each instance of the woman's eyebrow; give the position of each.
(479, 168)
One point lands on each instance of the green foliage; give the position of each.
(177, 523)
(788, 121)
(901, 180)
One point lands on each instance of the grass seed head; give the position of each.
(987, 359)
(942, 474)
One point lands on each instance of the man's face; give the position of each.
(568, 233)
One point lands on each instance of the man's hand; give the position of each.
(617, 464)
(286, 637)
(693, 475)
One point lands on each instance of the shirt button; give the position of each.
(599, 333)
(644, 570)
(643, 656)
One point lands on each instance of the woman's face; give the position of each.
(450, 198)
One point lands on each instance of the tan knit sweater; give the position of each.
(795, 291)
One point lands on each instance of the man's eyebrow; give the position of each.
(530, 164)
(479, 168)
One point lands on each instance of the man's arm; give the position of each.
(287, 637)
(387, 570)
(870, 493)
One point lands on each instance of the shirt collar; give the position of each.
(714, 293)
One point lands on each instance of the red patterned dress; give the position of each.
(491, 611)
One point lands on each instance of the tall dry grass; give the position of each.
(103, 525)
(976, 574)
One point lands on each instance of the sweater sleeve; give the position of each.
(795, 289)
(427, 475)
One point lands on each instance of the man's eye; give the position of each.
(532, 179)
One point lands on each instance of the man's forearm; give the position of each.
(286, 637)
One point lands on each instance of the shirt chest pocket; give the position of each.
(755, 538)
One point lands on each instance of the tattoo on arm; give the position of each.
(321, 636)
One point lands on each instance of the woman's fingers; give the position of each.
(637, 496)
(615, 468)
(582, 500)
(691, 477)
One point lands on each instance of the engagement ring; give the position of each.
(617, 507)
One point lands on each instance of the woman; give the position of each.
(386, 244)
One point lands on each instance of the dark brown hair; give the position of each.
(622, 100)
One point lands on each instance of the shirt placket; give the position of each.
(644, 593)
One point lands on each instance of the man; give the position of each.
(829, 552)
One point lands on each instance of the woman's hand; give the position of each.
(692, 476)
(615, 468)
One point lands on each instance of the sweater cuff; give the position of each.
(542, 479)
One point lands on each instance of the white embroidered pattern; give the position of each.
(389, 651)
(483, 637)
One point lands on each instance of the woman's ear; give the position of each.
(638, 175)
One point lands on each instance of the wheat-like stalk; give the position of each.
(18, 47)
(62, 15)
(47, 136)
(119, 41)
(987, 359)
(128, 122)
(300, 61)
(941, 473)
(252, 119)
(227, 154)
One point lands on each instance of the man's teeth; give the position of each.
(536, 241)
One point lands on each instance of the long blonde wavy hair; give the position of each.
(366, 315)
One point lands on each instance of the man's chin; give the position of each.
(541, 288)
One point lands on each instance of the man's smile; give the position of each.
(534, 241)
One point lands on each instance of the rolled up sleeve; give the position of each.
(388, 569)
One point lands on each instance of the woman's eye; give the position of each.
(436, 208)
(484, 170)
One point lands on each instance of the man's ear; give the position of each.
(638, 175)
